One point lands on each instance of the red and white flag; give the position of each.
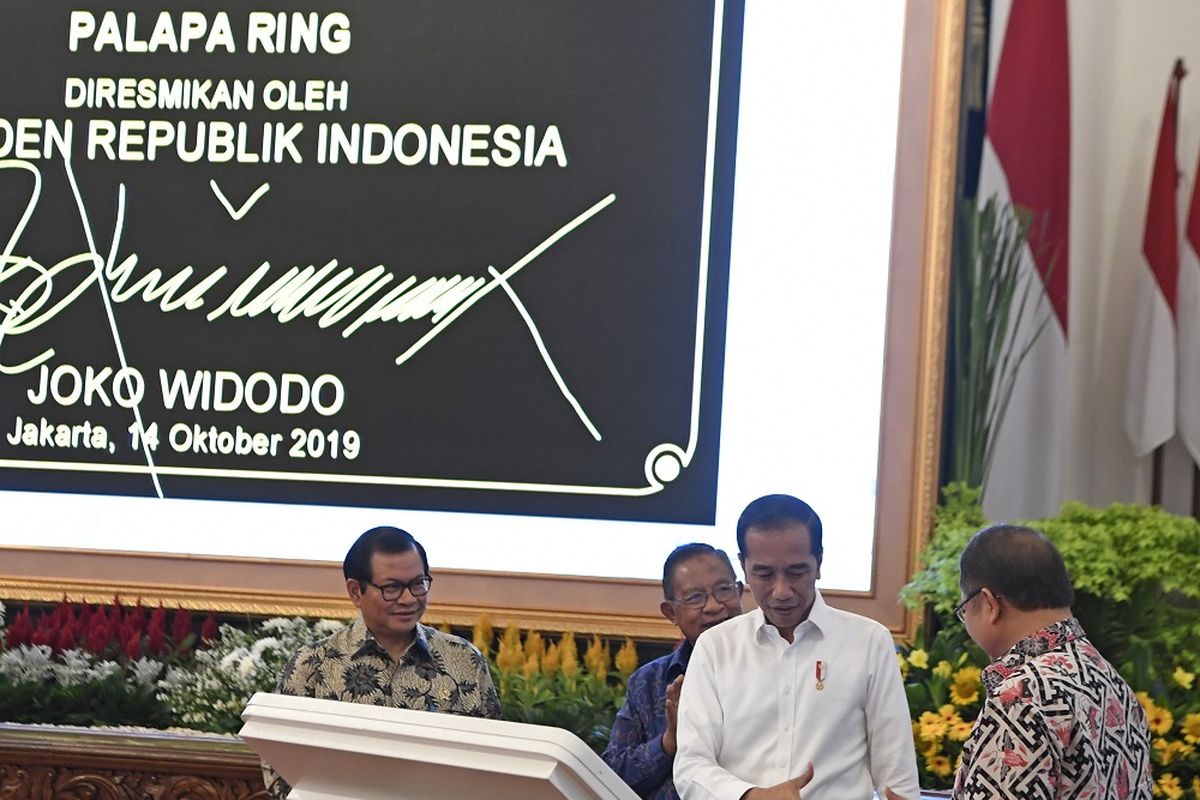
(1187, 321)
(1150, 391)
(1027, 161)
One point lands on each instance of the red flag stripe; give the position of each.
(1029, 125)
(1160, 244)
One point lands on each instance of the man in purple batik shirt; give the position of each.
(700, 590)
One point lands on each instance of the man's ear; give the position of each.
(992, 608)
(354, 589)
(742, 561)
(667, 608)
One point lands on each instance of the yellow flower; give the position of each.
(938, 765)
(512, 636)
(550, 661)
(568, 655)
(965, 689)
(928, 747)
(596, 658)
(1145, 700)
(919, 659)
(509, 659)
(959, 731)
(1196, 787)
(482, 634)
(949, 713)
(627, 660)
(903, 666)
(1160, 720)
(1168, 785)
(531, 667)
(944, 669)
(933, 726)
(535, 646)
(1166, 751)
(1183, 677)
(1191, 729)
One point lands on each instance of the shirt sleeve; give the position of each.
(489, 701)
(632, 752)
(1000, 764)
(698, 776)
(892, 761)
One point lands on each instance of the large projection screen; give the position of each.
(553, 286)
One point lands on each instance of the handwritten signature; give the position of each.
(332, 293)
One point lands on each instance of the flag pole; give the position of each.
(1156, 479)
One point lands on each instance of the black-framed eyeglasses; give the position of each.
(417, 587)
(960, 609)
(722, 593)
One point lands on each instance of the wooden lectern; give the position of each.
(327, 749)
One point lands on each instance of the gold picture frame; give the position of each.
(923, 204)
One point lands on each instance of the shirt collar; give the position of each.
(1051, 637)
(818, 618)
(364, 641)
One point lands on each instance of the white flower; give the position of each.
(103, 669)
(145, 671)
(27, 664)
(76, 668)
(246, 667)
(264, 644)
(326, 627)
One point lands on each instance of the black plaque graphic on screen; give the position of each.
(466, 256)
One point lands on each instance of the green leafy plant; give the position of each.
(1134, 570)
(990, 308)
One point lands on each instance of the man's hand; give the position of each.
(671, 706)
(788, 790)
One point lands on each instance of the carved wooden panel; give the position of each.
(48, 763)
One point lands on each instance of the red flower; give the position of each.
(68, 637)
(181, 629)
(1013, 759)
(21, 629)
(133, 646)
(97, 637)
(209, 630)
(156, 632)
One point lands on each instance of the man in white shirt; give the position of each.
(795, 699)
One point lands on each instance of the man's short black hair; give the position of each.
(384, 539)
(1018, 564)
(774, 511)
(685, 552)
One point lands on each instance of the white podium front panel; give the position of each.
(327, 749)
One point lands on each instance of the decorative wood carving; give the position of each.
(49, 763)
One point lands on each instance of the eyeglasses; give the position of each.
(417, 587)
(722, 593)
(960, 609)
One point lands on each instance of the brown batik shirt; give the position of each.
(440, 672)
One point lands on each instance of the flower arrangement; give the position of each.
(92, 664)
(209, 692)
(1133, 568)
(545, 684)
(945, 693)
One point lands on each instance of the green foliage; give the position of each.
(583, 705)
(111, 700)
(1134, 570)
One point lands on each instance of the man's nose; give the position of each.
(781, 588)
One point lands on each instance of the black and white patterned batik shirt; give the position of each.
(1057, 722)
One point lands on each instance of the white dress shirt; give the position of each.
(751, 713)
